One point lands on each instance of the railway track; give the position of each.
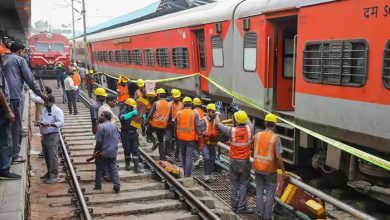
(151, 194)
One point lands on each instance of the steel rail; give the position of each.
(331, 200)
(186, 196)
(84, 214)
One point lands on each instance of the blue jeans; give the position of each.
(16, 127)
(103, 163)
(78, 95)
(268, 183)
(187, 155)
(5, 142)
(209, 158)
(64, 99)
(239, 171)
(169, 136)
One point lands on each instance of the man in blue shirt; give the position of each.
(6, 118)
(52, 120)
(17, 72)
(106, 150)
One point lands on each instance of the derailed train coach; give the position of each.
(323, 64)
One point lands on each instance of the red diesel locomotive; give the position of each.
(324, 64)
(46, 51)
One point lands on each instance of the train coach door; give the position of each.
(285, 31)
(199, 48)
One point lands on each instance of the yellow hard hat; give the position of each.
(131, 102)
(140, 83)
(74, 69)
(90, 71)
(160, 91)
(176, 93)
(101, 92)
(271, 118)
(241, 117)
(211, 106)
(150, 94)
(197, 101)
(187, 99)
(124, 79)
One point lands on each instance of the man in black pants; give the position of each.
(70, 90)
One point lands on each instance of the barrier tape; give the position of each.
(157, 80)
(351, 150)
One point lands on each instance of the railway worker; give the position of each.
(6, 118)
(268, 151)
(197, 106)
(176, 105)
(52, 120)
(106, 151)
(77, 82)
(140, 92)
(58, 70)
(101, 96)
(90, 82)
(123, 92)
(158, 119)
(70, 90)
(108, 106)
(17, 72)
(188, 133)
(240, 150)
(83, 75)
(210, 139)
(129, 134)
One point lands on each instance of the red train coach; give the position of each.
(47, 50)
(322, 63)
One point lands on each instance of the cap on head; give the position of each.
(100, 92)
(271, 118)
(176, 93)
(140, 83)
(211, 106)
(131, 102)
(187, 100)
(160, 91)
(197, 101)
(241, 117)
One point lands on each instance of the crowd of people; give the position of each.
(179, 127)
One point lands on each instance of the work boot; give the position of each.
(137, 170)
(127, 162)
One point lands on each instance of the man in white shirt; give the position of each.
(107, 107)
(52, 120)
(70, 90)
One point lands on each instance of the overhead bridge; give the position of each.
(15, 19)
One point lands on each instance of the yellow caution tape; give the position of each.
(356, 152)
(155, 80)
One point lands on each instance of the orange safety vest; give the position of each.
(175, 108)
(264, 152)
(76, 79)
(211, 133)
(123, 93)
(200, 112)
(185, 125)
(240, 146)
(161, 114)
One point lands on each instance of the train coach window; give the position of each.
(340, 62)
(127, 56)
(41, 47)
(105, 56)
(57, 47)
(386, 66)
(162, 55)
(100, 56)
(112, 56)
(180, 58)
(137, 57)
(149, 57)
(217, 50)
(118, 56)
(250, 52)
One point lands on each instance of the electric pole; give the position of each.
(74, 34)
(85, 34)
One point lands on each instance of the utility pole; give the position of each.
(74, 34)
(85, 34)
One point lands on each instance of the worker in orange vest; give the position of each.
(76, 81)
(150, 97)
(210, 136)
(158, 119)
(240, 137)
(176, 105)
(123, 92)
(140, 92)
(267, 159)
(197, 106)
(187, 134)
